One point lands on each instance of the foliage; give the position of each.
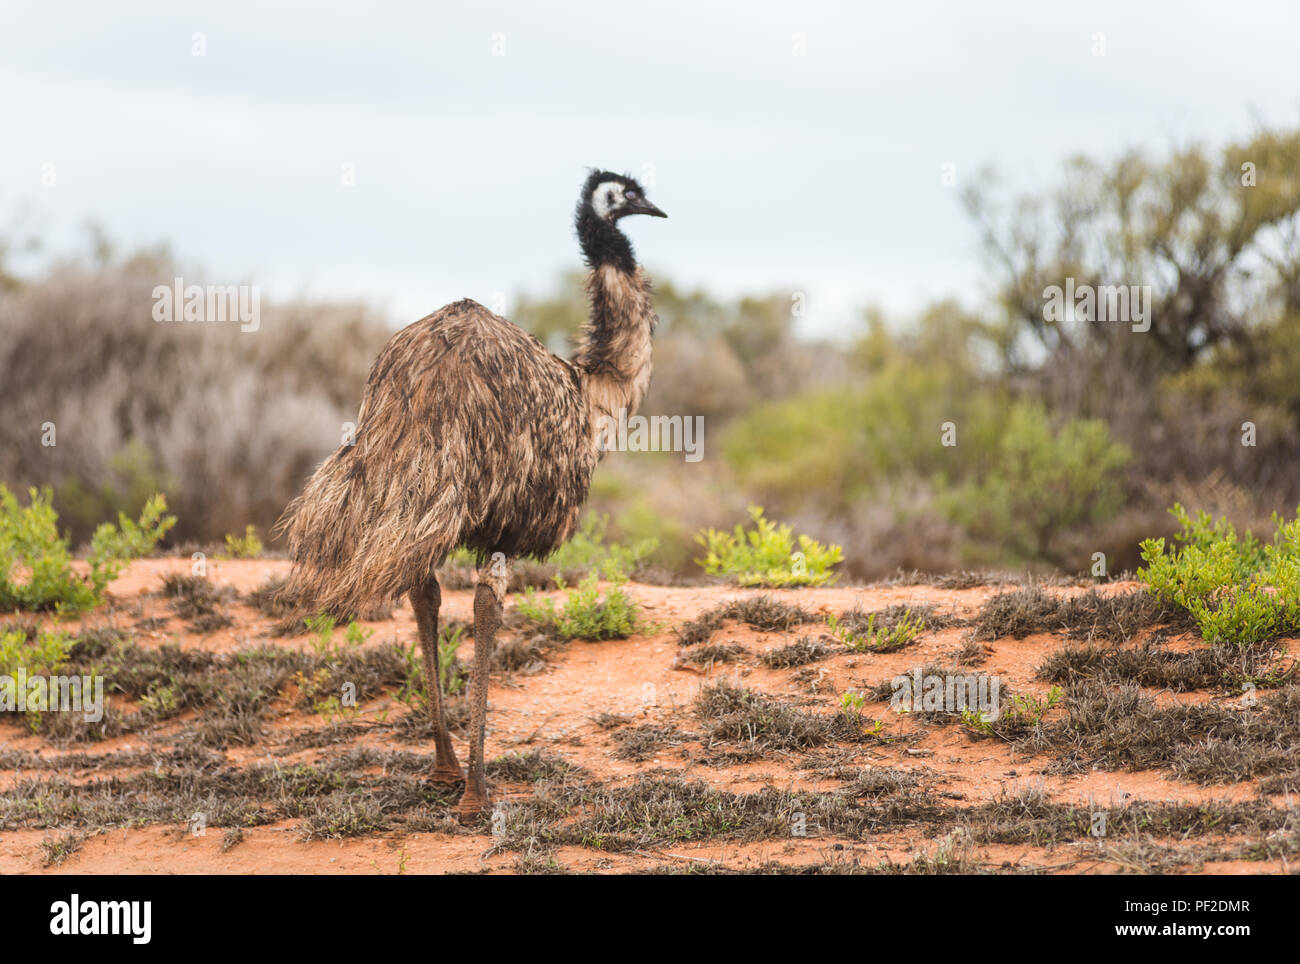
(587, 613)
(1042, 482)
(413, 692)
(247, 546)
(131, 540)
(868, 637)
(44, 656)
(30, 543)
(767, 555)
(1026, 713)
(1237, 588)
(588, 550)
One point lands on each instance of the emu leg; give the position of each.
(487, 617)
(425, 601)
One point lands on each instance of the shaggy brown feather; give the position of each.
(470, 433)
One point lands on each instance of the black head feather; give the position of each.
(602, 242)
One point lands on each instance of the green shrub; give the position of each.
(1237, 588)
(131, 540)
(587, 549)
(863, 635)
(30, 542)
(1026, 713)
(767, 555)
(247, 546)
(1041, 482)
(586, 614)
(46, 655)
(450, 669)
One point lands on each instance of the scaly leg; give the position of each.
(425, 601)
(488, 598)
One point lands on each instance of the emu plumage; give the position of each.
(471, 433)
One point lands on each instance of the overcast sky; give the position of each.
(469, 128)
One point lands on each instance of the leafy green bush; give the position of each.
(767, 556)
(30, 543)
(1237, 588)
(247, 546)
(586, 614)
(865, 636)
(131, 540)
(587, 549)
(1042, 482)
(46, 655)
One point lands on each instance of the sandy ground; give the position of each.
(554, 710)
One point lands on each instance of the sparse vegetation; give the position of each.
(768, 555)
(30, 543)
(247, 546)
(859, 632)
(587, 613)
(1239, 590)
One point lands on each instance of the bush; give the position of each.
(1238, 589)
(587, 549)
(860, 633)
(131, 540)
(247, 546)
(30, 541)
(1042, 483)
(586, 613)
(44, 656)
(766, 555)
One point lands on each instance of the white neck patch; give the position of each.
(607, 196)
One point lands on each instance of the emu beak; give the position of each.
(642, 206)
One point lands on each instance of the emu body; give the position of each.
(472, 434)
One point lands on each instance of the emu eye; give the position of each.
(630, 193)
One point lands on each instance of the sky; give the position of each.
(796, 146)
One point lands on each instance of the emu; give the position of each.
(472, 434)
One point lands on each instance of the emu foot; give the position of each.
(470, 810)
(449, 775)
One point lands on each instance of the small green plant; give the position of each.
(332, 709)
(1026, 712)
(1238, 589)
(160, 701)
(131, 540)
(322, 640)
(44, 656)
(587, 613)
(862, 635)
(412, 692)
(247, 546)
(356, 634)
(851, 704)
(588, 550)
(30, 544)
(767, 555)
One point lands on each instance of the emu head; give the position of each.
(613, 196)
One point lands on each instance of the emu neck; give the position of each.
(613, 355)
